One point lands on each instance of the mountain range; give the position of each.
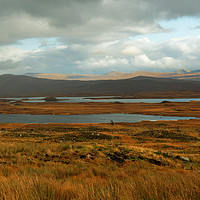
(114, 75)
(22, 86)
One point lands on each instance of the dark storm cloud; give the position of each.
(87, 19)
(8, 64)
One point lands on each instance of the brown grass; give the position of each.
(124, 161)
(55, 108)
(132, 182)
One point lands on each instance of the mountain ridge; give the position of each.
(115, 75)
(21, 85)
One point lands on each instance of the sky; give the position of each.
(99, 36)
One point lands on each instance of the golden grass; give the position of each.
(191, 108)
(126, 161)
(136, 181)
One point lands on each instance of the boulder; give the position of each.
(50, 99)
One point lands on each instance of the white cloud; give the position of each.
(131, 50)
(143, 61)
(12, 53)
(61, 47)
(126, 55)
(107, 61)
(142, 54)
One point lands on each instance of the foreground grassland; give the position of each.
(146, 160)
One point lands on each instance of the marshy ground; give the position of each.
(146, 160)
(188, 109)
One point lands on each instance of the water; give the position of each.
(94, 118)
(95, 99)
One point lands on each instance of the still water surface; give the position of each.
(94, 118)
(96, 99)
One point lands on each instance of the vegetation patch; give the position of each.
(165, 134)
(84, 136)
(24, 135)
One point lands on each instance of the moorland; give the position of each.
(144, 160)
(166, 108)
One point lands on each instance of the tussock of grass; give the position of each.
(98, 182)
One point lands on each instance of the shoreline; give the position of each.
(136, 95)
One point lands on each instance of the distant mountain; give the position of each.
(179, 74)
(13, 86)
(195, 71)
(32, 74)
(182, 71)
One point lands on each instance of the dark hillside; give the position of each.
(12, 86)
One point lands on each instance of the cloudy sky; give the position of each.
(98, 36)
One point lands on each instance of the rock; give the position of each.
(165, 102)
(118, 102)
(4, 100)
(112, 122)
(117, 156)
(155, 162)
(46, 155)
(50, 99)
(185, 158)
(89, 156)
